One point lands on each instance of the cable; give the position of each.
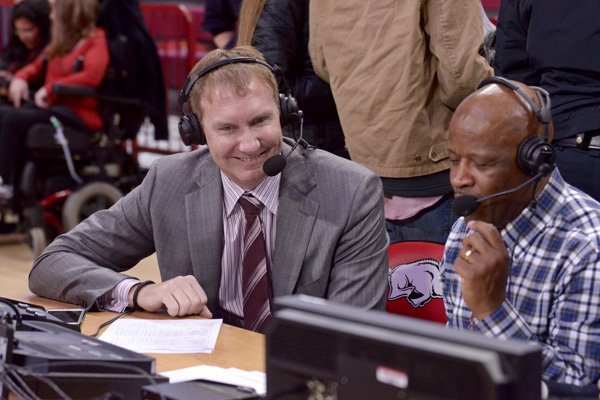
(48, 381)
(10, 303)
(59, 135)
(106, 364)
(22, 384)
(13, 387)
(110, 321)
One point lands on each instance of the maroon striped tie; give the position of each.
(255, 280)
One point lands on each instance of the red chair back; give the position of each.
(414, 286)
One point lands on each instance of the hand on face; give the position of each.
(180, 296)
(483, 266)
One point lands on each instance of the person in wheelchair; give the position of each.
(77, 55)
(30, 33)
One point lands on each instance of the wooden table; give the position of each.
(235, 347)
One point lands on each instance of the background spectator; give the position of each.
(397, 70)
(221, 20)
(279, 29)
(30, 33)
(553, 44)
(77, 55)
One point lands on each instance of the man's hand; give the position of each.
(483, 268)
(181, 296)
(18, 91)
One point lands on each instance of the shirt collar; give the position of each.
(532, 217)
(267, 192)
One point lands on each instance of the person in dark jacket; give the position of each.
(554, 44)
(220, 20)
(279, 29)
(134, 55)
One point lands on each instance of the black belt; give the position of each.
(584, 141)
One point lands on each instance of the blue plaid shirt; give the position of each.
(553, 289)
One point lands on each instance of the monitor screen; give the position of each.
(341, 352)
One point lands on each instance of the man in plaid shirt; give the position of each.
(526, 264)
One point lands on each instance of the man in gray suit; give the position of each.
(321, 217)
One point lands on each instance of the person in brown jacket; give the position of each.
(398, 69)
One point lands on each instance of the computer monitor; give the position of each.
(347, 353)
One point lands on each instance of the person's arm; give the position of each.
(95, 62)
(88, 261)
(512, 59)
(281, 34)
(455, 33)
(18, 90)
(570, 352)
(32, 71)
(360, 263)
(220, 20)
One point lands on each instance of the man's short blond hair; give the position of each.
(237, 76)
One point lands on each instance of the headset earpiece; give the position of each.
(190, 128)
(290, 112)
(535, 154)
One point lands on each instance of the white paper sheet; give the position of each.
(164, 336)
(255, 379)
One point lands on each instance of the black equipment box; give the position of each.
(198, 390)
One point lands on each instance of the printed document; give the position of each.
(164, 336)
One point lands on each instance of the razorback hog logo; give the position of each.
(418, 281)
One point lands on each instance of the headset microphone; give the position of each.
(277, 163)
(466, 205)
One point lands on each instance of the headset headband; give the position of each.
(543, 113)
(191, 80)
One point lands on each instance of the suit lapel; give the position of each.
(205, 229)
(295, 221)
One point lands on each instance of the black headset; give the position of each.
(535, 155)
(190, 129)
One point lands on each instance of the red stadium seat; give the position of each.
(491, 7)
(414, 286)
(174, 31)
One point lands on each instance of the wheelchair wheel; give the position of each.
(37, 240)
(84, 202)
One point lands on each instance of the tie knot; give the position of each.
(250, 204)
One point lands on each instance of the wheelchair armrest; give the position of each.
(84, 91)
(72, 90)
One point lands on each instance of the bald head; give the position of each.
(503, 113)
(485, 135)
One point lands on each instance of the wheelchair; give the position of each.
(70, 174)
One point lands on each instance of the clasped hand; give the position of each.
(483, 265)
(180, 296)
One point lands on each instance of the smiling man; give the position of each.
(229, 238)
(524, 264)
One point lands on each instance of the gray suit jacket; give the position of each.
(330, 236)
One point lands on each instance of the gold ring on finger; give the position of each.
(468, 254)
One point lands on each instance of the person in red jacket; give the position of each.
(76, 55)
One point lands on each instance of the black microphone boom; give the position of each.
(466, 205)
(274, 165)
(277, 163)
